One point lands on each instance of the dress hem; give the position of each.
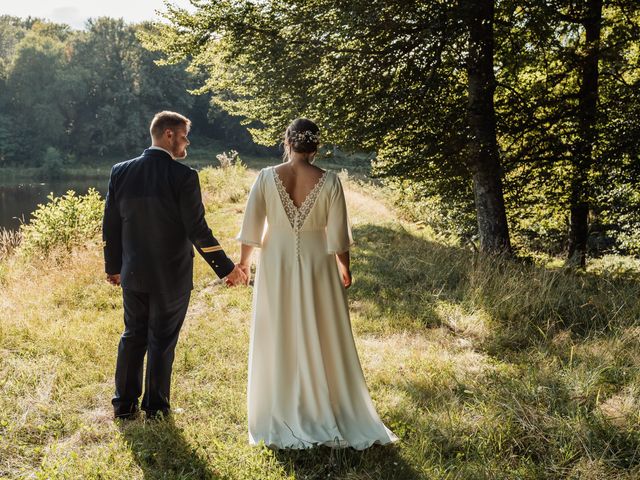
(339, 444)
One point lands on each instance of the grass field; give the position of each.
(485, 368)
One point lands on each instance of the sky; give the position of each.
(76, 12)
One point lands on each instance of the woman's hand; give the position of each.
(345, 273)
(245, 261)
(247, 271)
(343, 265)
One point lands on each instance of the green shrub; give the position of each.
(221, 186)
(64, 223)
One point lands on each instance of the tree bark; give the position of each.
(484, 161)
(587, 118)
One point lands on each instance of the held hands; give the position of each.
(246, 269)
(238, 276)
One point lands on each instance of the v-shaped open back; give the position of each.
(297, 215)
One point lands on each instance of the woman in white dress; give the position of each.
(306, 385)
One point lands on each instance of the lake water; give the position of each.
(19, 198)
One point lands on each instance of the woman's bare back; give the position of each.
(299, 180)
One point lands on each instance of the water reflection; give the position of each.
(19, 199)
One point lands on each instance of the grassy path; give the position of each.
(485, 369)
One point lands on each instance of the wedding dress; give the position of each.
(306, 385)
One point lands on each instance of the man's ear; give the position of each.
(169, 133)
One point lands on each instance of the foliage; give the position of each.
(452, 217)
(383, 77)
(620, 214)
(35, 86)
(9, 147)
(389, 77)
(52, 163)
(92, 93)
(365, 70)
(224, 185)
(539, 61)
(62, 224)
(123, 88)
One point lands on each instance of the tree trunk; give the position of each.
(587, 112)
(484, 161)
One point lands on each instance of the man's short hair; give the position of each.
(167, 120)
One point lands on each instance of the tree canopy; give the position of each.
(91, 93)
(394, 78)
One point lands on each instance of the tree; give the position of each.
(387, 76)
(484, 161)
(120, 88)
(108, 116)
(568, 83)
(34, 84)
(585, 144)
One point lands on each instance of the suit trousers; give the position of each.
(152, 325)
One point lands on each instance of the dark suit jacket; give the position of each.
(153, 215)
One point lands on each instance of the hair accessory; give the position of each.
(306, 136)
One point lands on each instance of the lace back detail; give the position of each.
(297, 216)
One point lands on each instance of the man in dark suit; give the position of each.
(153, 218)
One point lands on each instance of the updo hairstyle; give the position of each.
(303, 136)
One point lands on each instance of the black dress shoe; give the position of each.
(158, 414)
(126, 413)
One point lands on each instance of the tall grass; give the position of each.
(486, 368)
(9, 241)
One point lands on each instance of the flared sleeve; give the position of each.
(339, 237)
(254, 214)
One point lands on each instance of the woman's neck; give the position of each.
(300, 160)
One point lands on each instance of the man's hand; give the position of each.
(236, 277)
(114, 279)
